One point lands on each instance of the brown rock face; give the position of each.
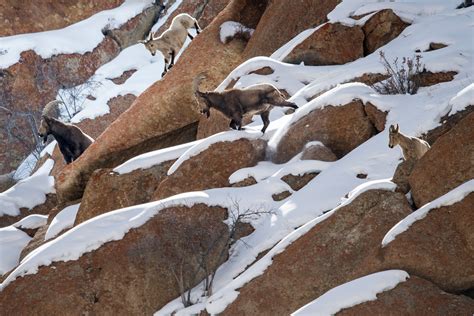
(447, 123)
(117, 105)
(131, 276)
(154, 120)
(448, 164)
(216, 123)
(318, 152)
(428, 78)
(400, 177)
(439, 247)
(17, 17)
(340, 128)
(29, 84)
(298, 182)
(380, 29)
(348, 240)
(212, 167)
(202, 10)
(128, 189)
(283, 20)
(332, 44)
(414, 297)
(377, 117)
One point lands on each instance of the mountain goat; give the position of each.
(235, 103)
(170, 42)
(413, 148)
(72, 141)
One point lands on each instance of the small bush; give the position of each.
(403, 76)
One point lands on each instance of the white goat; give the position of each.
(170, 42)
(413, 148)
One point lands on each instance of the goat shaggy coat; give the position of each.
(72, 141)
(235, 103)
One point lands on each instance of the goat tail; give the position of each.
(197, 81)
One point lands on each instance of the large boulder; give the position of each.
(380, 29)
(18, 17)
(332, 44)
(413, 297)
(107, 190)
(283, 20)
(439, 247)
(130, 276)
(317, 151)
(154, 120)
(212, 167)
(447, 122)
(29, 84)
(448, 164)
(349, 240)
(340, 128)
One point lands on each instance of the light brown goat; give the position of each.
(170, 42)
(235, 103)
(413, 148)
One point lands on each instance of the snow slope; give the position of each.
(12, 242)
(32, 221)
(352, 293)
(28, 192)
(81, 37)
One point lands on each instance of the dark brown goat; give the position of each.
(235, 103)
(72, 141)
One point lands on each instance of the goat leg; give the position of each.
(172, 60)
(266, 120)
(196, 26)
(190, 36)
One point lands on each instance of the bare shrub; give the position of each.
(73, 98)
(403, 76)
(210, 250)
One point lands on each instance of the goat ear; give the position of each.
(397, 128)
(391, 129)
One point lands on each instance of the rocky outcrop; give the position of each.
(318, 152)
(349, 240)
(446, 123)
(332, 44)
(340, 128)
(283, 20)
(297, 182)
(203, 10)
(448, 164)
(400, 177)
(380, 29)
(413, 297)
(131, 276)
(32, 82)
(212, 167)
(439, 247)
(17, 17)
(154, 121)
(428, 78)
(124, 190)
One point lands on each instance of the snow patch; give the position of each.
(12, 242)
(63, 220)
(32, 221)
(153, 158)
(28, 192)
(230, 29)
(352, 293)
